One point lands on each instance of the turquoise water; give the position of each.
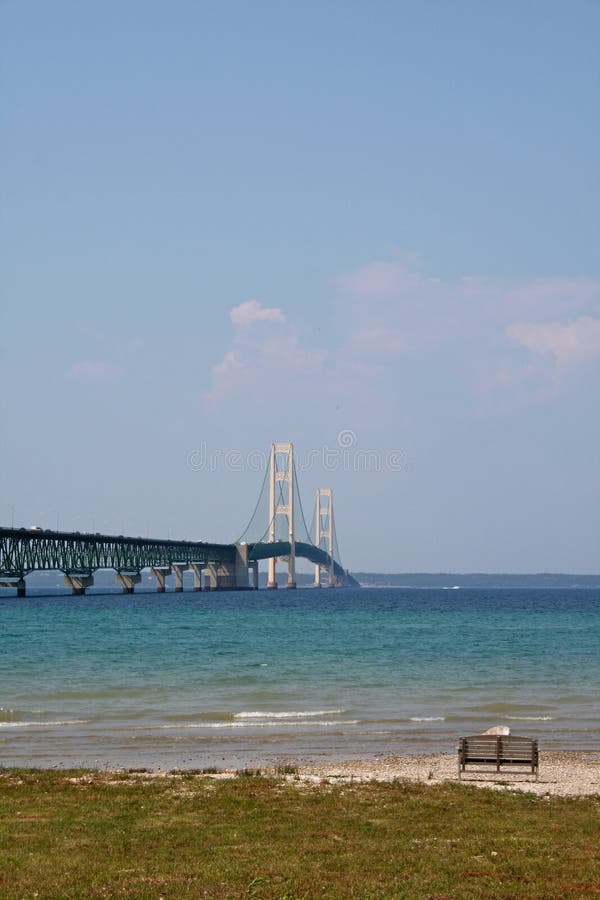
(247, 678)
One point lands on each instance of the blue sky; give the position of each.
(368, 228)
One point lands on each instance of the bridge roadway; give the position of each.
(78, 556)
(306, 551)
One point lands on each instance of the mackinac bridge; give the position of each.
(276, 533)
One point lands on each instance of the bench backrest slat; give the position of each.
(498, 750)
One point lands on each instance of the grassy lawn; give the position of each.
(92, 834)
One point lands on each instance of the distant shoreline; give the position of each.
(402, 580)
(476, 580)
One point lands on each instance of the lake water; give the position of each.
(247, 678)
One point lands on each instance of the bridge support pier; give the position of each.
(178, 570)
(254, 569)
(241, 567)
(197, 570)
(160, 573)
(18, 583)
(210, 577)
(78, 583)
(228, 576)
(272, 575)
(128, 580)
(219, 577)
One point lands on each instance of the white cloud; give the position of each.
(247, 313)
(388, 303)
(565, 341)
(386, 308)
(392, 323)
(375, 339)
(225, 376)
(94, 371)
(228, 366)
(380, 279)
(288, 354)
(391, 317)
(558, 297)
(259, 357)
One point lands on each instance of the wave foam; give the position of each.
(308, 714)
(43, 724)
(427, 719)
(531, 718)
(266, 723)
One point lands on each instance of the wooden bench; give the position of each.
(499, 751)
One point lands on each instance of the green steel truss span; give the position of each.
(26, 550)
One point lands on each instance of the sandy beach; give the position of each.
(572, 773)
(569, 773)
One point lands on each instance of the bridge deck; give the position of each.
(25, 550)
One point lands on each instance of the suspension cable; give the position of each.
(260, 496)
(310, 540)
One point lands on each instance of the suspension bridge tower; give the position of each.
(324, 533)
(281, 506)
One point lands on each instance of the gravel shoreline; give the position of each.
(573, 773)
(562, 773)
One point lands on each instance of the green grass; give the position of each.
(93, 834)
